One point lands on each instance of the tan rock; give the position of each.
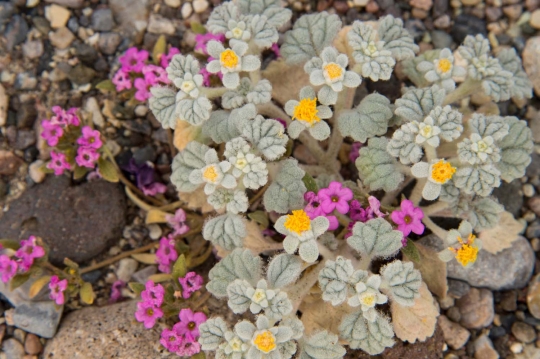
(476, 308)
(535, 19)
(483, 348)
(454, 334)
(61, 38)
(9, 163)
(531, 61)
(32, 345)
(422, 4)
(471, 2)
(57, 15)
(4, 100)
(533, 297)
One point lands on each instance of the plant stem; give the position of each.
(213, 92)
(438, 231)
(466, 89)
(118, 257)
(255, 77)
(313, 170)
(416, 195)
(271, 110)
(431, 153)
(365, 263)
(434, 208)
(259, 193)
(389, 197)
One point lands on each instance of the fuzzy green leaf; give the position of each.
(484, 213)
(283, 270)
(416, 104)
(478, 180)
(323, 345)
(191, 158)
(163, 106)
(372, 338)
(516, 149)
(377, 168)
(403, 282)
(287, 190)
(334, 280)
(226, 231)
(267, 135)
(396, 38)
(212, 333)
(370, 118)
(375, 238)
(195, 111)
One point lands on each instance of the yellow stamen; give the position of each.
(210, 174)
(306, 111)
(298, 221)
(229, 59)
(333, 71)
(265, 342)
(444, 65)
(442, 171)
(368, 300)
(466, 253)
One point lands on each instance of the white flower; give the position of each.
(306, 114)
(237, 30)
(442, 70)
(329, 70)
(189, 86)
(428, 132)
(377, 63)
(368, 296)
(213, 174)
(462, 245)
(260, 296)
(265, 339)
(301, 232)
(246, 164)
(437, 173)
(478, 150)
(234, 346)
(231, 61)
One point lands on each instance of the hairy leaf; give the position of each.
(368, 119)
(478, 180)
(240, 264)
(212, 333)
(375, 238)
(267, 135)
(226, 231)
(283, 270)
(238, 301)
(484, 213)
(403, 282)
(219, 18)
(194, 111)
(323, 345)
(334, 280)
(516, 149)
(396, 38)
(416, 104)
(371, 337)
(191, 158)
(377, 168)
(163, 105)
(287, 190)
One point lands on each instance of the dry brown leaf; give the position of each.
(342, 43)
(256, 241)
(503, 235)
(319, 315)
(433, 270)
(286, 80)
(156, 216)
(146, 258)
(196, 200)
(417, 322)
(184, 133)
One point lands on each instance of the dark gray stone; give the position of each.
(440, 7)
(108, 42)
(128, 12)
(15, 32)
(77, 222)
(457, 288)
(40, 318)
(26, 114)
(102, 20)
(441, 39)
(466, 24)
(86, 53)
(510, 196)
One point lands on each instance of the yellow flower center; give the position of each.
(236, 345)
(265, 342)
(368, 300)
(228, 58)
(426, 131)
(241, 163)
(298, 221)
(444, 65)
(306, 111)
(442, 171)
(333, 71)
(210, 174)
(259, 296)
(466, 253)
(237, 32)
(372, 48)
(482, 146)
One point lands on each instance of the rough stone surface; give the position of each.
(531, 61)
(454, 334)
(483, 348)
(102, 20)
(9, 163)
(510, 196)
(107, 332)
(40, 318)
(76, 222)
(62, 38)
(533, 297)
(523, 332)
(476, 308)
(32, 345)
(129, 12)
(13, 349)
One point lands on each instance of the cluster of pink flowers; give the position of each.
(355, 151)
(178, 222)
(333, 198)
(137, 73)
(22, 260)
(66, 126)
(149, 309)
(166, 254)
(57, 288)
(191, 283)
(408, 219)
(182, 338)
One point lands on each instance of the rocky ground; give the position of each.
(53, 52)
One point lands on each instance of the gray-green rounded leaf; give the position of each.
(370, 118)
(226, 231)
(403, 282)
(416, 104)
(375, 238)
(287, 190)
(267, 135)
(516, 149)
(377, 168)
(191, 158)
(323, 345)
(283, 270)
(212, 333)
(163, 105)
(334, 280)
(371, 337)
(195, 111)
(238, 301)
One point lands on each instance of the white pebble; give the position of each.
(200, 6)
(528, 190)
(32, 3)
(35, 171)
(173, 3)
(516, 348)
(155, 231)
(187, 10)
(126, 268)
(141, 110)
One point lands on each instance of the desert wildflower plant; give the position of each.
(298, 240)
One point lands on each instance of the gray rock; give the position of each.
(476, 309)
(466, 24)
(86, 53)
(13, 349)
(102, 20)
(25, 81)
(523, 332)
(33, 49)
(534, 168)
(108, 42)
(509, 269)
(457, 288)
(40, 318)
(145, 273)
(129, 12)
(76, 222)
(6, 11)
(15, 32)
(27, 114)
(510, 196)
(9, 163)
(441, 39)
(74, 4)
(80, 74)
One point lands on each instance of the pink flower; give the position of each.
(71, 117)
(359, 214)
(335, 197)
(153, 294)
(28, 252)
(191, 283)
(409, 219)
(116, 291)
(90, 138)
(202, 40)
(355, 151)
(171, 340)
(51, 132)
(8, 268)
(87, 157)
(178, 222)
(122, 81)
(154, 74)
(58, 163)
(147, 314)
(188, 348)
(153, 188)
(133, 60)
(166, 254)
(314, 210)
(189, 324)
(143, 92)
(374, 205)
(166, 59)
(57, 288)
(65, 118)
(275, 49)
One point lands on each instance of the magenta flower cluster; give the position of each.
(22, 260)
(166, 254)
(333, 198)
(149, 309)
(57, 288)
(66, 126)
(408, 219)
(182, 338)
(178, 222)
(136, 72)
(191, 283)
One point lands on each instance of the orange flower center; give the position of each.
(298, 221)
(265, 341)
(333, 71)
(442, 171)
(229, 59)
(444, 65)
(306, 111)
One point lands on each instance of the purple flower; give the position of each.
(8, 268)
(355, 151)
(133, 60)
(188, 348)
(171, 340)
(90, 138)
(65, 118)
(409, 219)
(191, 283)
(57, 288)
(143, 92)
(154, 188)
(275, 49)
(155, 74)
(116, 291)
(202, 40)
(335, 197)
(166, 254)
(166, 59)
(178, 222)
(58, 163)
(282, 121)
(359, 214)
(374, 205)
(87, 157)
(313, 209)
(207, 75)
(147, 314)
(28, 252)
(153, 293)
(122, 81)
(189, 324)
(51, 132)
(145, 176)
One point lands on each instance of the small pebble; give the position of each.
(173, 3)
(523, 332)
(528, 190)
(126, 268)
(32, 345)
(35, 171)
(57, 15)
(200, 6)
(32, 3)
(187, 10)
(516, 348)
(535, 19)
(141, 110)
(155, 231)
(535, 244)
